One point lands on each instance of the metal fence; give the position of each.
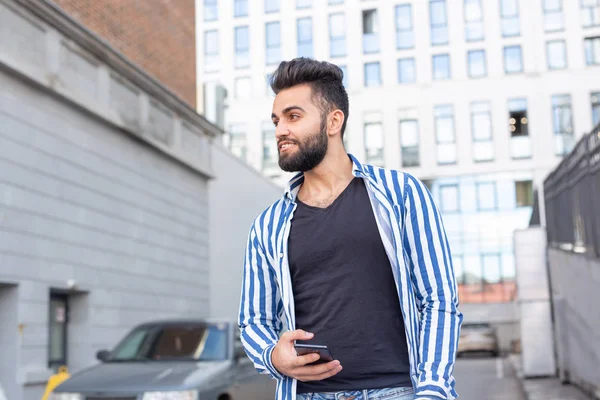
(572, 199)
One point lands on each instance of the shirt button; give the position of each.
(280, 255)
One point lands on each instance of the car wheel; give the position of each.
(224, 397)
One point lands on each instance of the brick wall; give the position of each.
(157, 35)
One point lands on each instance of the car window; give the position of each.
(196, 342)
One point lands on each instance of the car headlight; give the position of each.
(178, 395)
(65, 396)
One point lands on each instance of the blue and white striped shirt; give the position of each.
(413, 235)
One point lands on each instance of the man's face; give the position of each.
(300, 129)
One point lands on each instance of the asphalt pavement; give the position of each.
(487, 378)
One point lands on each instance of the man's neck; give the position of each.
(331, 175)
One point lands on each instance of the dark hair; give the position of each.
(325, 80)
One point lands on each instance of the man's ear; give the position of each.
(335, 121)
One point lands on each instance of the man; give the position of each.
(352, 256)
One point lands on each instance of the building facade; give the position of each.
(157, 35)
(478, 98)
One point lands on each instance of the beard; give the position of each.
(309, 154)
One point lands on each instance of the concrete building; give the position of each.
(111, 193)
(478, 98)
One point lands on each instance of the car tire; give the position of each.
(224, 396)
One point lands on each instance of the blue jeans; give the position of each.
(372, 394)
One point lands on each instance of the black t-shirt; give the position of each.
(344, 292)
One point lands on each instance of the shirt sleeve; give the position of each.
(432, 275)
(260, 307)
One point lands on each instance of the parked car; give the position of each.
(172, 360)
(478, 337)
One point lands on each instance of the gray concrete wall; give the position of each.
(103, 195)
(236, 196)
(575, 280)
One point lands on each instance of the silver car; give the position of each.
(172, 360)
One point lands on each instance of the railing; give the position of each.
(572, 199)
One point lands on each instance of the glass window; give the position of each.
(444, 132)
(481, 125)
(449, 198)
(237, 140)
(438, 19)
(509, 13)
(337, 35)
(273, 33)
(242, 47)
(211, 10)
(240, 8)
(184, 341)
(557, 54)
(486, 196)
(372, 74)
(211, 50)
(405, 37)
(370, 31)
(477, 64)
(562, 118)
(553, 16)
(409, 141)
(517, 117)
(268, 82)
(473, 21)
(374, 143)
(524, 193)
(441, 66)
(272, 6)
(457, 266)
(242, 88)
(592, 51)
(491, 269)
(305, 41)
(513, 62)
(590, 13)
(345, 72)
(303, 4)
(270, 152)
(406, 70)
(518, 125)
(58, 329)
(595, 100)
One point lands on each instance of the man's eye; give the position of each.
(294, 116)
(275, 123)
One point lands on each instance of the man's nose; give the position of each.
(281, 131)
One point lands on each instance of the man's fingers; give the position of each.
(319, 369)
(305, 374)
(298, 334)
(301, 361)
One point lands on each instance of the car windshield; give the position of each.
(173, 342)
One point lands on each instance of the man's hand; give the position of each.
(286, 361)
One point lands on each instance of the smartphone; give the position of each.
(323, 351)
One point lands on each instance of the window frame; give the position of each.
(378, 64)
(435, 26)
(478, 199)
(433, 69)
(55, 363)
(521, 67)
(470, 72)
(337, 39)
(564, 51)
(400, 31)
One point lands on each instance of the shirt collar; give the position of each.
(293, 186)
